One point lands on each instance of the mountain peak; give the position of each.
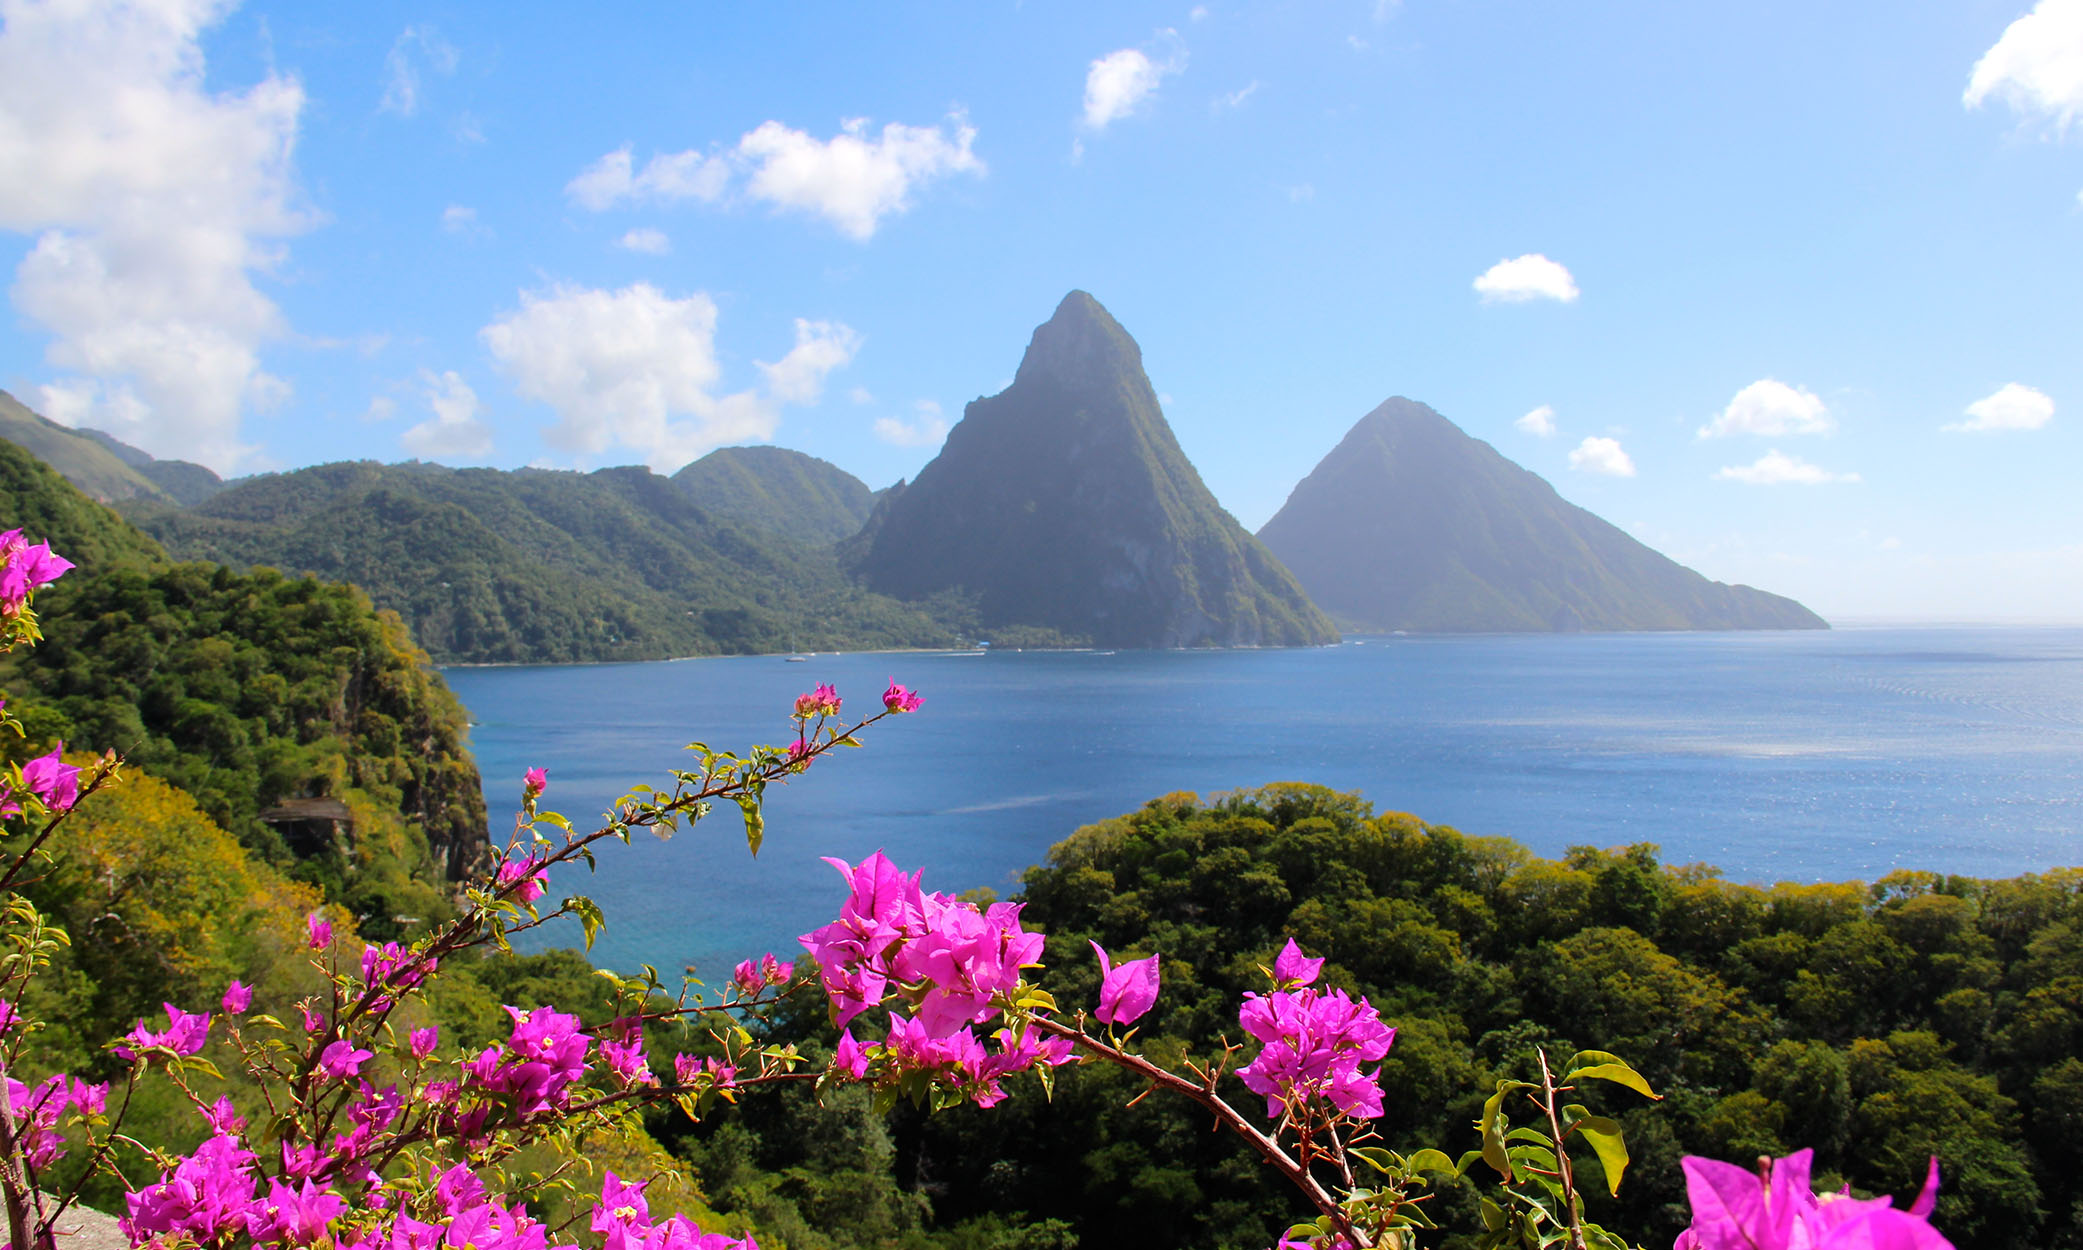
(1410, 524)
(1080, 342)
(1064, 505)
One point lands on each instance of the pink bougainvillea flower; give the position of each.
(1126, 992)
(622, 1205)
(238, 996)
(52, 780)
(527, 880)
(184, 1034)
(1737, 1209)
(423, 1041)
(26, 569)
(319, 929)
(900, 699)
(9, 1017)
(343, 1059)
(1291, 968)
(534, 782)
(848, 1057)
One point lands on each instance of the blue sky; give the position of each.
(1745, 265)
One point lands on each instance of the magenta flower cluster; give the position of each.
(215, 1194)
(38, 1110)
(948, 960)
(750, 978)
(1314, 1043)
(55, 783)
(1737, 1209)
(24, 569)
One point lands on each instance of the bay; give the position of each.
(1775, 756)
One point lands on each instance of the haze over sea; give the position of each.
(1775, 756)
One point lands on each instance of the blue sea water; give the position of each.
(1777, 756)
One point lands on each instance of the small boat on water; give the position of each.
(799, 659)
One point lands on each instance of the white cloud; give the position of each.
(634, 368)
(2037, 66)
(861, 395)
(381, 408)
(1771, 408)
(401, 68)
(2015, 407)
(853, 180)
(668, 177)
(1199, 13)
(646, 240)
(926, 431)
(1529, 277)
(1302, 193)
(153, 202)
(1540, 422)
(1117, 83)
(458, 219)
(1235, 99)
(453, 432)
(821, 347)
(1602, 455)
(1775, 469)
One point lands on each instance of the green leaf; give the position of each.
(1604, 1136)
(1619, 1074)
(589, 916)
(1493, 1138)
(1493, 1215)
(755, 824)
(1377, 1158)
(1433, 1162)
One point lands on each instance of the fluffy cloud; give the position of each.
(1117, 83)
(821, 347)
(668, 177)
(154, 201)
(2037, 66)
(2015, 407)
(853, 180)
(634, 368)
(1539, 422)
(1771, 408)
(453, 432)
(1601, 455)
(401, 69)
(1776, 469)
(926, 431)
(1529, 277)
(646, 240)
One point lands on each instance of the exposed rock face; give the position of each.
(1065, 503)
(1411, 524)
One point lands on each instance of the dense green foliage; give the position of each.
(1411, 524)
(1878, 1024)
(779, 491)
(244, 690)
(248, 689)
(1065, 502)
(538, 566)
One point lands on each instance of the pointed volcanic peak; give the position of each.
(1063, 504)
(1411, 524)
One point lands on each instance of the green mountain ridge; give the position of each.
(1411, 524)
(1065, 503)
(535, 566)
(779, 491)
(103, 467)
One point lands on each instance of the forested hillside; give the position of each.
(537, 566)
(1879, 1024)
(245, 690)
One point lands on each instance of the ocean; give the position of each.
(1803, 756)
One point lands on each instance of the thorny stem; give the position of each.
(1562, 1163)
